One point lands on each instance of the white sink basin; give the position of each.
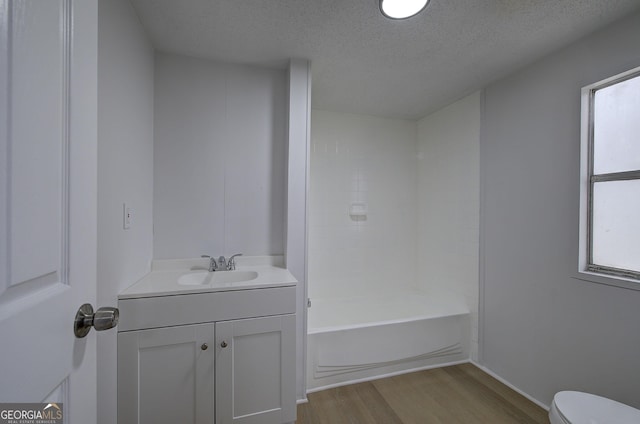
(212, 278)
(190, 276)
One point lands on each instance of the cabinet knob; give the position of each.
(204, 346)
(223, 344)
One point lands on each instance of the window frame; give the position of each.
(586, 268)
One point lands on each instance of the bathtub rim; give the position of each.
(449, 304)
(335, 328)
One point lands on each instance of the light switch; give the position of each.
(127, 214)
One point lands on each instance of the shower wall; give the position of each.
(419, 183)
(371, 163)
(448, 204)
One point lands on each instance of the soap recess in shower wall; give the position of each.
(358, 211)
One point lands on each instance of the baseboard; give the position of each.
(378, 377)
(301, 401)
(511, 386)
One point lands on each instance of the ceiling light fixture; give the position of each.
(402, 9)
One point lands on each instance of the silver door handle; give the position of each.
(103, 319)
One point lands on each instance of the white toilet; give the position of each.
(584, 408)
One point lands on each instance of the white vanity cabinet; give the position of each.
(208, 358)
(166, 376)
(255, 372)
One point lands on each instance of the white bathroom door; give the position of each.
(48, 148)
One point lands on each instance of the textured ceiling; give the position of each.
(364, 63)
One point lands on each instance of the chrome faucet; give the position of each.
(212, 262)
(222, 264)
(231, 263)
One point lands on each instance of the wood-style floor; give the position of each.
(458, 394)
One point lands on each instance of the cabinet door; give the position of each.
(165, 375)
(255, 371)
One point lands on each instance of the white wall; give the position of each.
(299, 110)
(542, 329)
(357, 158)
(125, 171)
(448, 203)
(220, 158)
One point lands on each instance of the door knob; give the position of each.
(103, 319)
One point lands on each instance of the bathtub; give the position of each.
(364, 338)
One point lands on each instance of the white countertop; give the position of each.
(164, 275)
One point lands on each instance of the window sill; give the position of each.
(609, 280)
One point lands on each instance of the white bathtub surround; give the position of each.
(448, 203)
(415, 187)
(362, 205)
(363, 338)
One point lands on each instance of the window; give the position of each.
(610, 230)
